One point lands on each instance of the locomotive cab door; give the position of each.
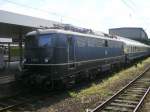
(71, 52)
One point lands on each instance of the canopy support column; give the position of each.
(20, 47)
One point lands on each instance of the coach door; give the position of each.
(71, 52)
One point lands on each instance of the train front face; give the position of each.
(38, 49)
(38, 57)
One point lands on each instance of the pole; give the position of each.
(20, 47)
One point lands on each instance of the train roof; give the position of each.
(97, 35)
(131, 42)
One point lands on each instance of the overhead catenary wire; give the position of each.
(127, 5)
(132, 2)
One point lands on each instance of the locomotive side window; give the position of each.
(106, 43)
(91, 42)
(99, 43)
(81, 42)
(31, 41)
(113, 44)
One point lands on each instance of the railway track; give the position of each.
(130, 98)
(127, 99)
(20, 101)
(7, 79)
(12, 102)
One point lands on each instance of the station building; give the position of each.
(134, 33)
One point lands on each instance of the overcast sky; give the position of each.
(96, 14)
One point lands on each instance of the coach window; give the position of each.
(106, 43)
(100, 43)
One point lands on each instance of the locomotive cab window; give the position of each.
(45, 41)
(40, 41)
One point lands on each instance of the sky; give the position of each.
(99, 15)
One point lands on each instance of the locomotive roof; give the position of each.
(47, 31)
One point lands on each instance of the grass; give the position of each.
(111, 84)
(14, 51)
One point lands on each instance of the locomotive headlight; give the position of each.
(46, 60)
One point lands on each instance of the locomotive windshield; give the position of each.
(45, 41)
(40, 41)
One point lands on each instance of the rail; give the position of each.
(129, 98)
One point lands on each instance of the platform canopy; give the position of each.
(14, 25)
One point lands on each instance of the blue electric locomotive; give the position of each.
(58, 55)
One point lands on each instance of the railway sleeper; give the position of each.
(114, 108)
(146, 79)
(122, 105)
(143, 81)
(126, 101)
(128, 98)
(2, 105)
(138, 85)
(135, 92)
(144, 84)
(8, 102)
(140, 88)
(132, 95)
